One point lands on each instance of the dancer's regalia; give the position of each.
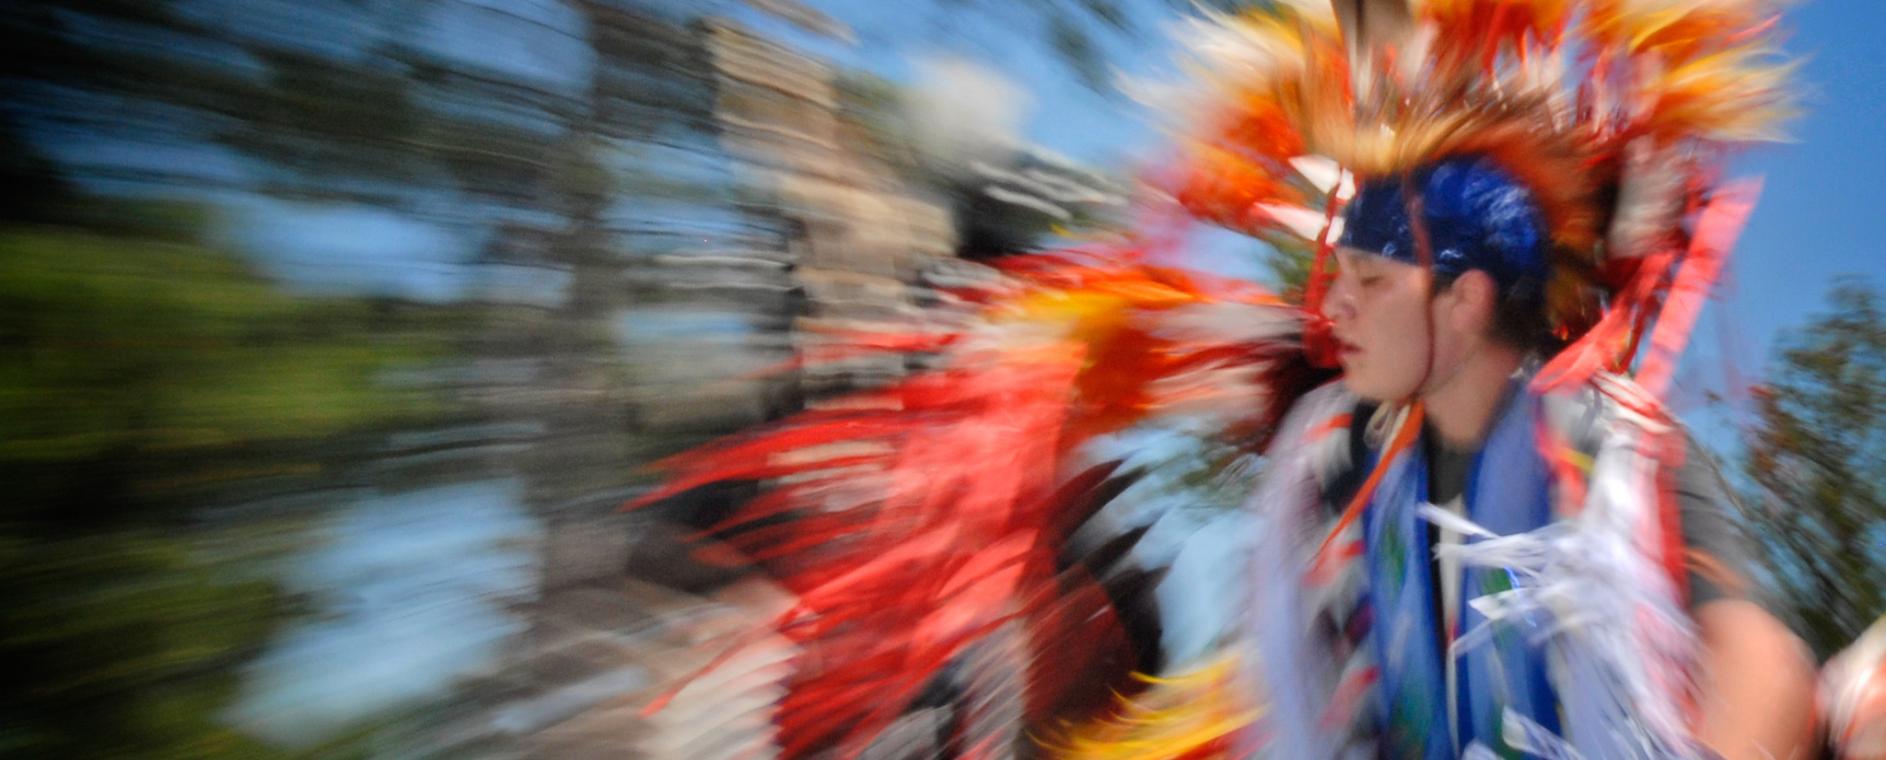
(1570, 145)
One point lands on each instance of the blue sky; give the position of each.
(411, 591)
(1820, 210)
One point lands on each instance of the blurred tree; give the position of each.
(147, 376)
(123, 642)
(157, 383)
(129, 343)
(1814, 453)
(550, 148)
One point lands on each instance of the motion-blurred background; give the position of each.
(335, 334)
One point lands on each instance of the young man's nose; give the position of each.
(1340, 304)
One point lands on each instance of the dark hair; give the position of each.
(1519, 314)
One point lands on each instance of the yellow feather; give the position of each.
(1186, 715)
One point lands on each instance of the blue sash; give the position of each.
(1508, 491)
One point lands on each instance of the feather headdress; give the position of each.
(1613, 114)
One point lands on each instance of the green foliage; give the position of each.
(1815, 453)
(143, 371)
(119, 341)
(122, 643)
(155, 384)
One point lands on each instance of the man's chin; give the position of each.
(1349, 382)
(1364, 389)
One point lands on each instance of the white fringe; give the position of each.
(1618, 644)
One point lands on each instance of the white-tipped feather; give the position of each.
(1325, 174)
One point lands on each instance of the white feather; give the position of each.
(1617, 643)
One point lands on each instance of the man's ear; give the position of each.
(1476, 300)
